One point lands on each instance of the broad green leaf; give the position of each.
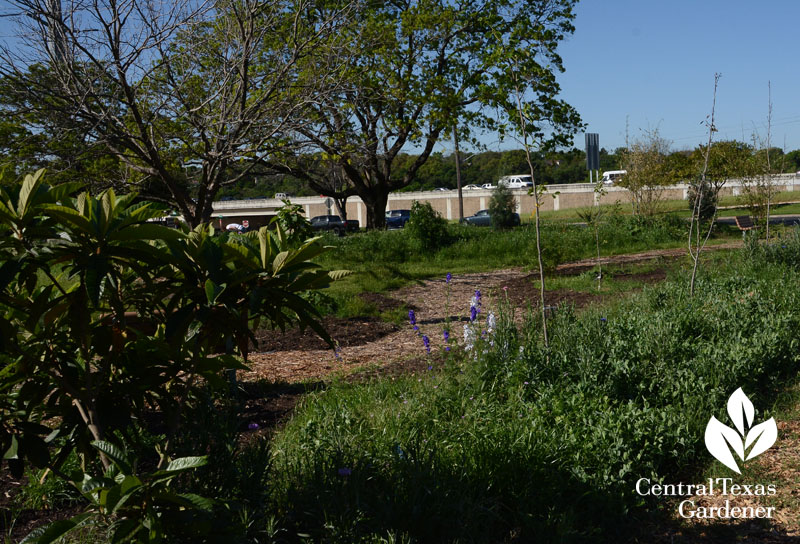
(198, 502)
(29, 186)
(115, 454)
(69, 215)
(13, 450)
(185, 463)
(56, 530)
(213, 291)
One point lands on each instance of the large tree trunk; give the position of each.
(376, 201)
(341, 207)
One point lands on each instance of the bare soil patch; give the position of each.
(653, 276)
(355, 331)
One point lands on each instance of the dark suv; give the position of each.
(397, 219)
(334, 224)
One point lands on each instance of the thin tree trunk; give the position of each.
(523, 126)
(699, 198)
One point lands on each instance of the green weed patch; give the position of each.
(512, 441)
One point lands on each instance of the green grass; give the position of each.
(775, 209)
(680, 208)
(386, 260)
(512, 441)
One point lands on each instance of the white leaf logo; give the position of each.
(721, 439)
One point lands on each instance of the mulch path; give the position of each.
(365, 342)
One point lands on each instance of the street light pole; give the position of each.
(458, 176)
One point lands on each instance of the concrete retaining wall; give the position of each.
(556, 197)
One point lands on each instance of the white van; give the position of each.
(612, 176)
(518, 181)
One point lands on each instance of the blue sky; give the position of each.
(653, 62)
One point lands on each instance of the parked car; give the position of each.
(488, 186)
(334, 224)
(484, 219)
(397, 219)
(441, 189)
(470, 187)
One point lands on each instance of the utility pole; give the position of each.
(458, 176)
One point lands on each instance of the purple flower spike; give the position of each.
(345, 471)
(477, 295)
(427, 342)
(473, 313)
(446, 335)
(412, 317)
(253, 426)
(448, 277)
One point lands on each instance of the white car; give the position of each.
(488, 186)
(470, 187)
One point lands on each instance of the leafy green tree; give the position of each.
(792, 161)
(28, 140)
(648, 167)
(502, 208)
(415, 70)
(189, 96)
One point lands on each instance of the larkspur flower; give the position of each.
(448, 277)
(427, 342)
(491, 322)
(473, 313)
(446, 335)
(603, 319)
(253, 426)
(469, 337)
(430, 367)
(412, 317)
(416, 329)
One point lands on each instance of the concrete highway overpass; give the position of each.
(556, 197)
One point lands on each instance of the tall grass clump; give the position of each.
(504, 442)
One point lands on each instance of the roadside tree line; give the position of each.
(182, 100)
